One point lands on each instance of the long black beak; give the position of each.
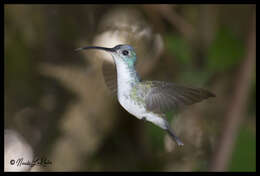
(96, 47)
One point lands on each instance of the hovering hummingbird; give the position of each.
(146, 100)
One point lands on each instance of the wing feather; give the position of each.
(110, 76)
(163, 97)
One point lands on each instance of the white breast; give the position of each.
(125, 82)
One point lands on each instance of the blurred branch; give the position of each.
(207, 25)
(238, 106)
(157, 46)
(173, 18)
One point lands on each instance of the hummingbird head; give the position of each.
(120, 53)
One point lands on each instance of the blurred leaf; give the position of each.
(225, 52)
(18, 63)
(244, 154)
(170, 115)
(179, 48)
(156, 136)
(194, 78)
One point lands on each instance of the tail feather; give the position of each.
(162, 123)
(174, 137)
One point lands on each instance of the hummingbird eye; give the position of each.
(125, 52)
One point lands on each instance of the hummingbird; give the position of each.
(146, 100)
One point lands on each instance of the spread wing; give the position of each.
(110, 76)
(163, 96)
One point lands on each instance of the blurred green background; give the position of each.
(57, 100)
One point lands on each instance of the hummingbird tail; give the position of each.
(162, 123)
(174, 137)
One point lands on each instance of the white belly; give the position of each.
(140, 112)
(131, 106)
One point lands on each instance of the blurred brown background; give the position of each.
(58, 107)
